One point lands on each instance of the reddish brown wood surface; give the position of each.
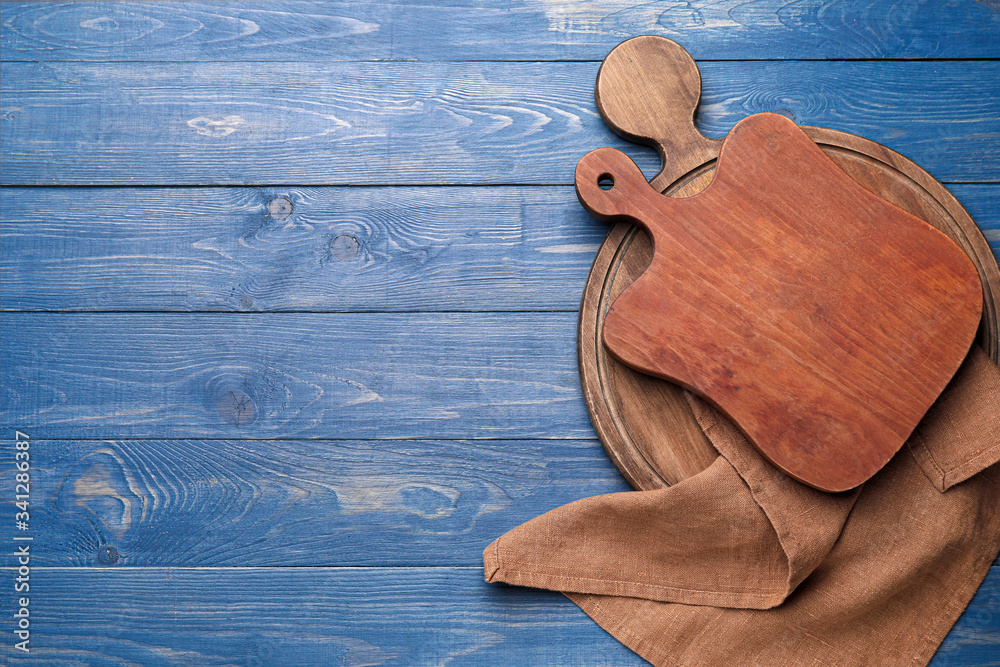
(645, 423)
(822, 319)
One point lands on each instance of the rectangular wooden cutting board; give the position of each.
(822, 319)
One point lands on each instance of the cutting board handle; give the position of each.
(612, 188)
(647, 92)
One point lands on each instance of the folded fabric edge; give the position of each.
(974, 391)
(491, 561)
(783, 500)
(495, 572)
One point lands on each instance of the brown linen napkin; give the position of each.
(742, 565)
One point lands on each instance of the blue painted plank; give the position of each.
(497, 30)
(299, 375)
(338, 249)
(382, 616)
(306, 616)
(333, 249)
(241, 503)
(982, 204)
(444, 123)
(975, 639)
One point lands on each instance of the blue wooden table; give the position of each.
(290, 292)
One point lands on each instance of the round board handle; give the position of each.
(612, 188)
(648, 89)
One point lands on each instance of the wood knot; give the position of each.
(236, 407)
(280, 208)
(108, 556)
(344, 247)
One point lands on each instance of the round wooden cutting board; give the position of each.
(646, 424)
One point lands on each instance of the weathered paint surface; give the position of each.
(305, 342)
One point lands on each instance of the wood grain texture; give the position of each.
(351, 616)
(790, 297)
(255, 111)
(307, 616)
(242, 503)
(246, 503)
(474, 375)
(221, 249)
(648, 72)
(648, 90)
(443, 123)
(252, 503)
(979, 202)
(497, 30)
(653, 453)
(336, 249)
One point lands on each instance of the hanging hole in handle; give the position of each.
(605, 181)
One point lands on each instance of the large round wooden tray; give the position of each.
(646, 424)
